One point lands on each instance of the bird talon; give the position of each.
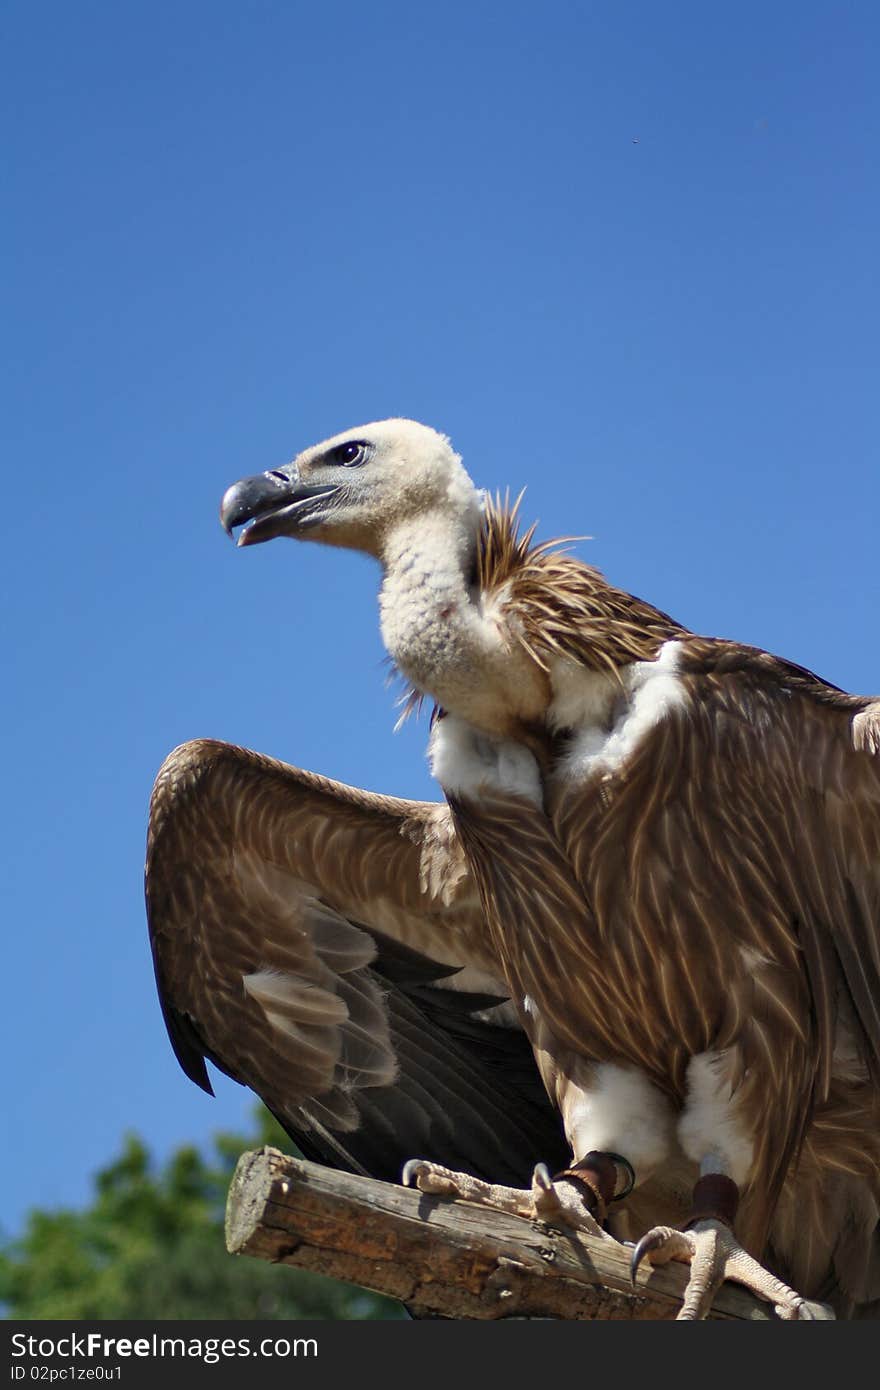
(638, 1254)
(715, 1255)
(411, 1170)
(652, 1240)
(541, 1177)
(429, 1178)
(545, 1198)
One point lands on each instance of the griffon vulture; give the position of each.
(675, 842)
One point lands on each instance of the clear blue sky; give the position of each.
(623, 253)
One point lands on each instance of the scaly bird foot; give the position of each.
(557, 1202)
(714, 1255)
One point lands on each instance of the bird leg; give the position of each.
(708, 1244)
(576, 1197)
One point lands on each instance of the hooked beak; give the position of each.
(274, 504)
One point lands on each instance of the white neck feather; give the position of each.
(439, 633)
(428, 618)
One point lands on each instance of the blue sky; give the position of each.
(625, 254)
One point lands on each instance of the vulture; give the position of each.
(638, 944)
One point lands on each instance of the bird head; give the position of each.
(354, 489)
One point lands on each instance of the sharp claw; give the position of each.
(541, 1177)
(411, 1171)
(545, 1199)
(649, 1242)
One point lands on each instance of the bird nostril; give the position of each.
(276, 473)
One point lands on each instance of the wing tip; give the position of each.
(186, 1046)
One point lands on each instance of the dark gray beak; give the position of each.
(274, 504)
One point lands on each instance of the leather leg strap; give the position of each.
(596, 1174)
(716, 1198)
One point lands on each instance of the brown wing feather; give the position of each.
(552, 939)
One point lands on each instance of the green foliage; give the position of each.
(150, 1245)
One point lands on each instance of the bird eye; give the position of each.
(349, 455)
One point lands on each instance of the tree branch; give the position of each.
(442, 1257)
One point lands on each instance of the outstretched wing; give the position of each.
(326, 947)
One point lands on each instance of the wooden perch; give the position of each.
(441, 1257)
